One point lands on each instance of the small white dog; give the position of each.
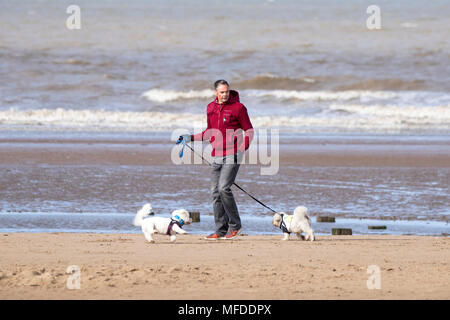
(169, 226)
(297, 223)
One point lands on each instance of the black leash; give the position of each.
(239, 187)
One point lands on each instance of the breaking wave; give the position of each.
(321, 95)
(159, 95)
(337, 117)
(162, 96)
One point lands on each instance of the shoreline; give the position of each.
(164, 137)
(105, 223)
(124, 266)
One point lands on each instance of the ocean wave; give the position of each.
(72, 61)
(272, 82)
(394, 98)
(99, 119)
(321, 95)
(384, 84)
(158, 95)
(161, 96)
(345, 82)
(376, 118)
(428, 115)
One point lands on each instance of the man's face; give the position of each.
(222, 93)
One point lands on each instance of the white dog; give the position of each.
(297, 223)
(169, 226)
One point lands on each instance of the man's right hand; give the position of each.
(185, 137)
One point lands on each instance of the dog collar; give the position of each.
(181, 221)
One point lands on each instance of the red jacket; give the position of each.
(229, 127)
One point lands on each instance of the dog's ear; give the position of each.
(176, 212)
(186, 215)
(276, 219)
(278, 215)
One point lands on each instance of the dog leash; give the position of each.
(239, 187)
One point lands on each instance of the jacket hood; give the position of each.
(234, 97)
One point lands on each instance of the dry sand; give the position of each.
(124, 266)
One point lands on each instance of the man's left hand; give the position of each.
(185, 137)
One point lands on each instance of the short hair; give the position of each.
(219, 82)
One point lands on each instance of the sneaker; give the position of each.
(214, 236)
(233, 234)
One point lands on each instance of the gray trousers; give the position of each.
(224, 171)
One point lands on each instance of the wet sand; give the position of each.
(298, 151)
(124, 266)
(378, 178)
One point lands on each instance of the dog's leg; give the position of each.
(148, 229)
(300, 236)
(306, 228)
(148, 236)
(177, 229)
(310, 235)
(286, 236)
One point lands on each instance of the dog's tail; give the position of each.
(301, 211)
(145, 211)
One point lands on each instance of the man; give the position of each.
(230, 132)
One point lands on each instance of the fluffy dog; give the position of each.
(297, 223)
(169, 226)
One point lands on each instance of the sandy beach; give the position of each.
(116, 176)
(124, 266)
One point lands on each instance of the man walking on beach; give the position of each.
(230, 132)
